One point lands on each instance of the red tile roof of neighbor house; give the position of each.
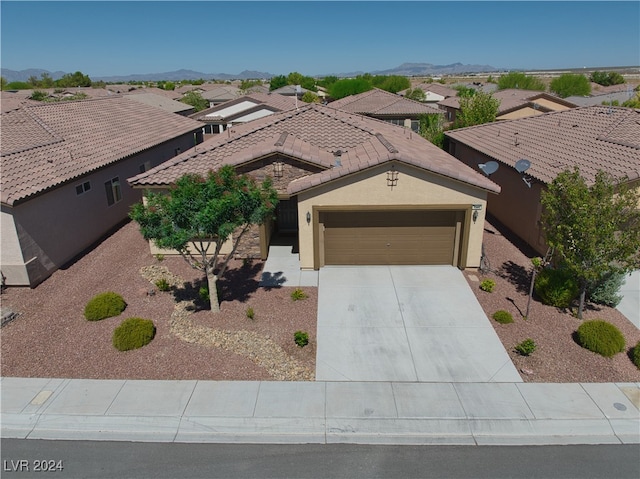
(47, 145)
(379, 103)
(591, 138)
(313, 134)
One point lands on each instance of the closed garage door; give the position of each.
(389, 237)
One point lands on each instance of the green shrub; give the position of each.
(600, 337)
(301, 338)
(104, 305)
(163, 285)
(203, 292)
(298, 294)
(503, 317)
(159, 256)
(606, 290)
(636, 355)
(556, 287)
(487, 285)
(250, 313)
(133, 333)
(526, 347)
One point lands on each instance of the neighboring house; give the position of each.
(64, 167)
(590, 138)
(353, 190)
(386, 106)
(221, 94)
(514, 103)
(241, 110)
(434, 92)
(291, 90)
(162, 102)
(12, 100)
(606, 95)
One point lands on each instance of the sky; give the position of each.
(314, 38)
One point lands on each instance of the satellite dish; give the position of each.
(489, 167)
(522, 165)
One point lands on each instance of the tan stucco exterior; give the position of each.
(525, 112)
(415, 189)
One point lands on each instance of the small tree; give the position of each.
(521, 81)
(310, 97)
(202, 214)
(593, 229)
(416, 94)
(432, 128)
(343, 88)
(570, 84)
(277, 82)
(195, 99)
(476, 110)
(607, 78)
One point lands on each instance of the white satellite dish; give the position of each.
(522, 165)
(489, 167)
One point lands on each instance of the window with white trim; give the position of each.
(113, 190)
(83, 188)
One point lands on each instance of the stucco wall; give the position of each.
(13, 265)
(56, 226)
(517, 206)
(415, 187)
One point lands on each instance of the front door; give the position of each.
(287, 215)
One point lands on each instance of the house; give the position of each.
(589, 138)
(434, 92)
(162, 102)
(241, 110)
(386, 106)
(606, 95)
(352, 189)
(291, 90)
(64, 167)
(514, 103)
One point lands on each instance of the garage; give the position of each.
(402, 237)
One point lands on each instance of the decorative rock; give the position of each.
(528, 372)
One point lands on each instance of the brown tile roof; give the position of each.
(47, 145)
(12, 101)
(591, 138)
(437, 88)
(313, 133)
(378, 102)
(511, 99)
(162, 102)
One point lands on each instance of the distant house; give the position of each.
(386, 106)
(241, 110)
(64, 170)
(514, 103)
(352, 189)
(162, 102)
(434, 92)
(590, 138)
(606, 95)
(291, 90)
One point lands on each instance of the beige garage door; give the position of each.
(389, 237)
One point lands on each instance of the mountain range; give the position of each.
(406, 69)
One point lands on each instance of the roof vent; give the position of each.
(515, 139)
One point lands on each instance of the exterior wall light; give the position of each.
(476, 208)
(308, 218)
(475, 216)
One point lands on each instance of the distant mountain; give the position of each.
(24, 75)
(423, 69)
(406, 69)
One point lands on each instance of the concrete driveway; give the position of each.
(405, 323)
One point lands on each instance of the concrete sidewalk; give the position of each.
(321, 412)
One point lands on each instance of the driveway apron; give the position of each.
(405, 323)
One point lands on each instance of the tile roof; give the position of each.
(162, 102)
(313, 133)
(380, 103)
(12, 101)
(511, 99)
(47, 145)
(245, 104)
(437, 88)
(591, 138)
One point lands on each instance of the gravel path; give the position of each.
(51, 338)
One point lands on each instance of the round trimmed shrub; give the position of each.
(133, 333)
(556, 287)
(104, 305)
(503, 317)
(636, 355)
(600, 337)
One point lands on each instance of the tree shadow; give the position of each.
(512, 301)
(239, 284)
(190, 291)
(517, 275)
(271, 281)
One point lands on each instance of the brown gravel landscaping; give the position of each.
(51, 337)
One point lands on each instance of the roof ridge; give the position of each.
(386, 143)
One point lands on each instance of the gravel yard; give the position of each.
(51, 338)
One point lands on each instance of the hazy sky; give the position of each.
(314, 38)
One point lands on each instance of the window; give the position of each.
(83, 188)
(145, 166)
(112, 188)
